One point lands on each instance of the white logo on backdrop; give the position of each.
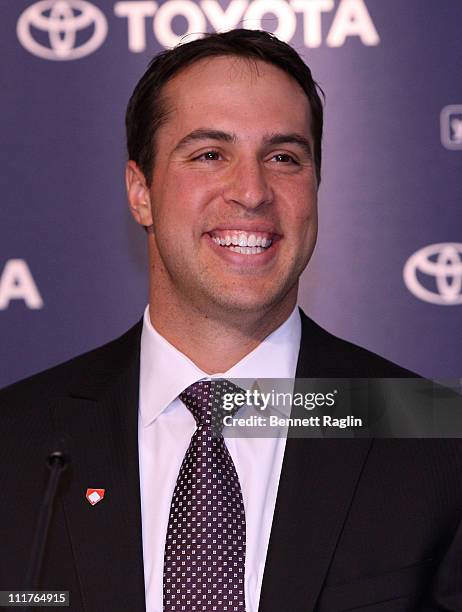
(440, 268)
(351, 18)
(451, 126)
(62, 29)
(17, 283)
(70, 29)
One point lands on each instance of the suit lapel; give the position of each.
(98, 425)
(316, 487)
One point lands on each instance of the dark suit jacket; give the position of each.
(359, 524)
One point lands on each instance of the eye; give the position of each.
(285, 158)
(208, 156)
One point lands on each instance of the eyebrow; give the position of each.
(291, 138)
(270, 140)
(204, 134)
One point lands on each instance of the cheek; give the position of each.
(301, 205)
(303, 225)
(169, 204)
(181, 209)
(191, 198)
(198, 186)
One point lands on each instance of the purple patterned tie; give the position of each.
(205, 546)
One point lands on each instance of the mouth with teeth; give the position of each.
(245, 243)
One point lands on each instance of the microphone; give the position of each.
(57, 462)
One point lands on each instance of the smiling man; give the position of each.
(230, 206)
(224, 142)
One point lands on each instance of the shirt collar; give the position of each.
(165, 372)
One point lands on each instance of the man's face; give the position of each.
(233, 193)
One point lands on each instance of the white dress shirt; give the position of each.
(164, 432)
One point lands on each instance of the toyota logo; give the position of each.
(437, 267)
(75, 29)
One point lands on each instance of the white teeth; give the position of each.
(246, 250)
(242, 243)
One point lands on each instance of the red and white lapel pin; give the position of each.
(95, 495)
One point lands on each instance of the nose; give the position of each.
(248, 185)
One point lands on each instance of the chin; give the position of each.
(237, 301)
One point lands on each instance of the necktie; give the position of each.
(205, 544)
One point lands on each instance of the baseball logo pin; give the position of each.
(94, 496)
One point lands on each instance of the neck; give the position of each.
(215, 341)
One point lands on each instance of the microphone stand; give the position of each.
(57, 462)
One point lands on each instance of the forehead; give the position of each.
(236, 94)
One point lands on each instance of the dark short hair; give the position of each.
(147, 109)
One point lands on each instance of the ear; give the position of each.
(139, 199)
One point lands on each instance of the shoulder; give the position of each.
(323, 354)
(99, 363)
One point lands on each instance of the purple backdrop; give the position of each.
(387, 271)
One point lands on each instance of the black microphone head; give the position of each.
(57, 458)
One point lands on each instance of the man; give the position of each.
(224, 141)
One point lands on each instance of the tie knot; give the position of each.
(205, 401)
